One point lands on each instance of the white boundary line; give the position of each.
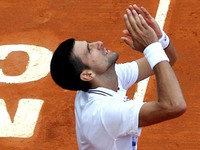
(160, 18)
(162, 12)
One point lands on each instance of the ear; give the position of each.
(87, 75)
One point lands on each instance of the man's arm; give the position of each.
(170, 103)
(144, 68)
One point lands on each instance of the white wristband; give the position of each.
(154, 54)
(164, 40)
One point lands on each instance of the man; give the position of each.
(105, 118)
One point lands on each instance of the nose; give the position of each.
(99, 45)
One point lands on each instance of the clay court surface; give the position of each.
(44, 24)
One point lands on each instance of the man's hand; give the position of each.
(141, 33)
(149, 20)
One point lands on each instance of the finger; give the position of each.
(131, 23)
(126, 32)
(128, 25)
(143, 22)
(138, 9)
(130, 7)
(137, 19)
(146, 13)
(146, 26)
(133, 20)
(128, 42)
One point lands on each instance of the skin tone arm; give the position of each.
(170, 103)
(144, 68)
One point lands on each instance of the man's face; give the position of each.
(95, 55)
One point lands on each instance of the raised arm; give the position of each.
(170, 103)
(144, 68)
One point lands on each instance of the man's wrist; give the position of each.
(164, 40)
(154, 54)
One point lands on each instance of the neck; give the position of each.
(107, 80)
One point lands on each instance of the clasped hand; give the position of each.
(141, 27)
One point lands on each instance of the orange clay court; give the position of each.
(35, 114)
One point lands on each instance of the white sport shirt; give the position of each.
(107, 120)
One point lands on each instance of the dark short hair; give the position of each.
(65, 67)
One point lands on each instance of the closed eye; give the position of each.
(88, 47)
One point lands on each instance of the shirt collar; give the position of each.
(102, 91)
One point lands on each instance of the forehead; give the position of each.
(80, 47)
(80, 43)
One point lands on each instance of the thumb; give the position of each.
(126, 32)
(128, 42)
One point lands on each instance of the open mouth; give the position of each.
(106, 51)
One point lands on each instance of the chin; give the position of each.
(114, 58)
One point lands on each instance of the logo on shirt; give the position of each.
(126, 99)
